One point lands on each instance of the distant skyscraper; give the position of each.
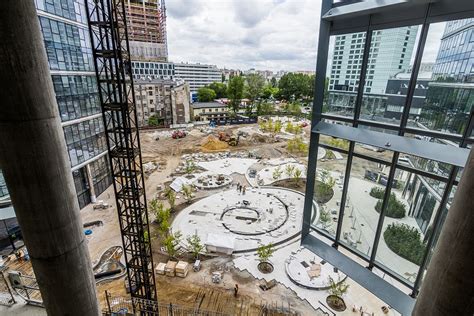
(146, 23)
(455, 58)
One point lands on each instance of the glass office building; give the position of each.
(394, 153)
(66, 39)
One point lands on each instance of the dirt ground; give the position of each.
(196, 289)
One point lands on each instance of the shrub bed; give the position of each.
(395, 208)
(377, 192)
(405, 241)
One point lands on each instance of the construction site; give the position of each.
(246, 190)
(287, 216)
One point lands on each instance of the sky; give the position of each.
(261, 34)
(243, 34)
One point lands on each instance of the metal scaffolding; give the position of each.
(110, 48)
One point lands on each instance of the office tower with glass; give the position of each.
(66, 39)
(395, 141)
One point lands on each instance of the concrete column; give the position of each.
(90, 181)
(36, 166)
(448, 286)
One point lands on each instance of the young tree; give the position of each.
(171, 197)
(265, 108)
(187, 192)
(206, 94)
(290, 169)
(277, 127)
(337, 288)
(289, 127)
(190, 167)
(264, 253)
(235, 92)
(297, 175)
(220, 89)
(162, 216)
(195, 245)
(324, 216)
(171, 243)
(146, 236)
(327, 182)
(277, 173)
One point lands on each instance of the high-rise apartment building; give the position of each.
(197, 75)
(386, 58)
(66, 39)
(165, 101)
(147, 29)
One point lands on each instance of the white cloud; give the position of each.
(262, 34)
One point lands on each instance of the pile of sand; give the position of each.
(212, 143)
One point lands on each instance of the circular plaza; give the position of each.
(246, 218)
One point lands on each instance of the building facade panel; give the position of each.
(197, 75)
(68, 48)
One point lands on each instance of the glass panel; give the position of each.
(423, 164)
(366, 186)
(343, 71)
(408, 223)
(374, 152)
(392, 52)
(328, 189)
(334, 142)
(3, 186)
(446, 76)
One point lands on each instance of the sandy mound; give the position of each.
(211, 143)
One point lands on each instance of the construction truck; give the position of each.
(178, 134)
(230, 139)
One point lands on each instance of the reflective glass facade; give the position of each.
(3, 186)
(66, 39)
(383, 205)
(85, 140)
(77, 96)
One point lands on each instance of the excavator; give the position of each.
(230, 139)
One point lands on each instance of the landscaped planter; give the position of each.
(265, 267)
(336, 303)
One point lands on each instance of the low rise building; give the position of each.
(208, 111)
(165, 101)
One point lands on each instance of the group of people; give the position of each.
(241, 188)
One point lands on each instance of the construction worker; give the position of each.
(236, 290)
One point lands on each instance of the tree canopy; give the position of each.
(255, 84)
(294, 86)
(269, 91)
(235, 92)
(219, 88)
(206, 94)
